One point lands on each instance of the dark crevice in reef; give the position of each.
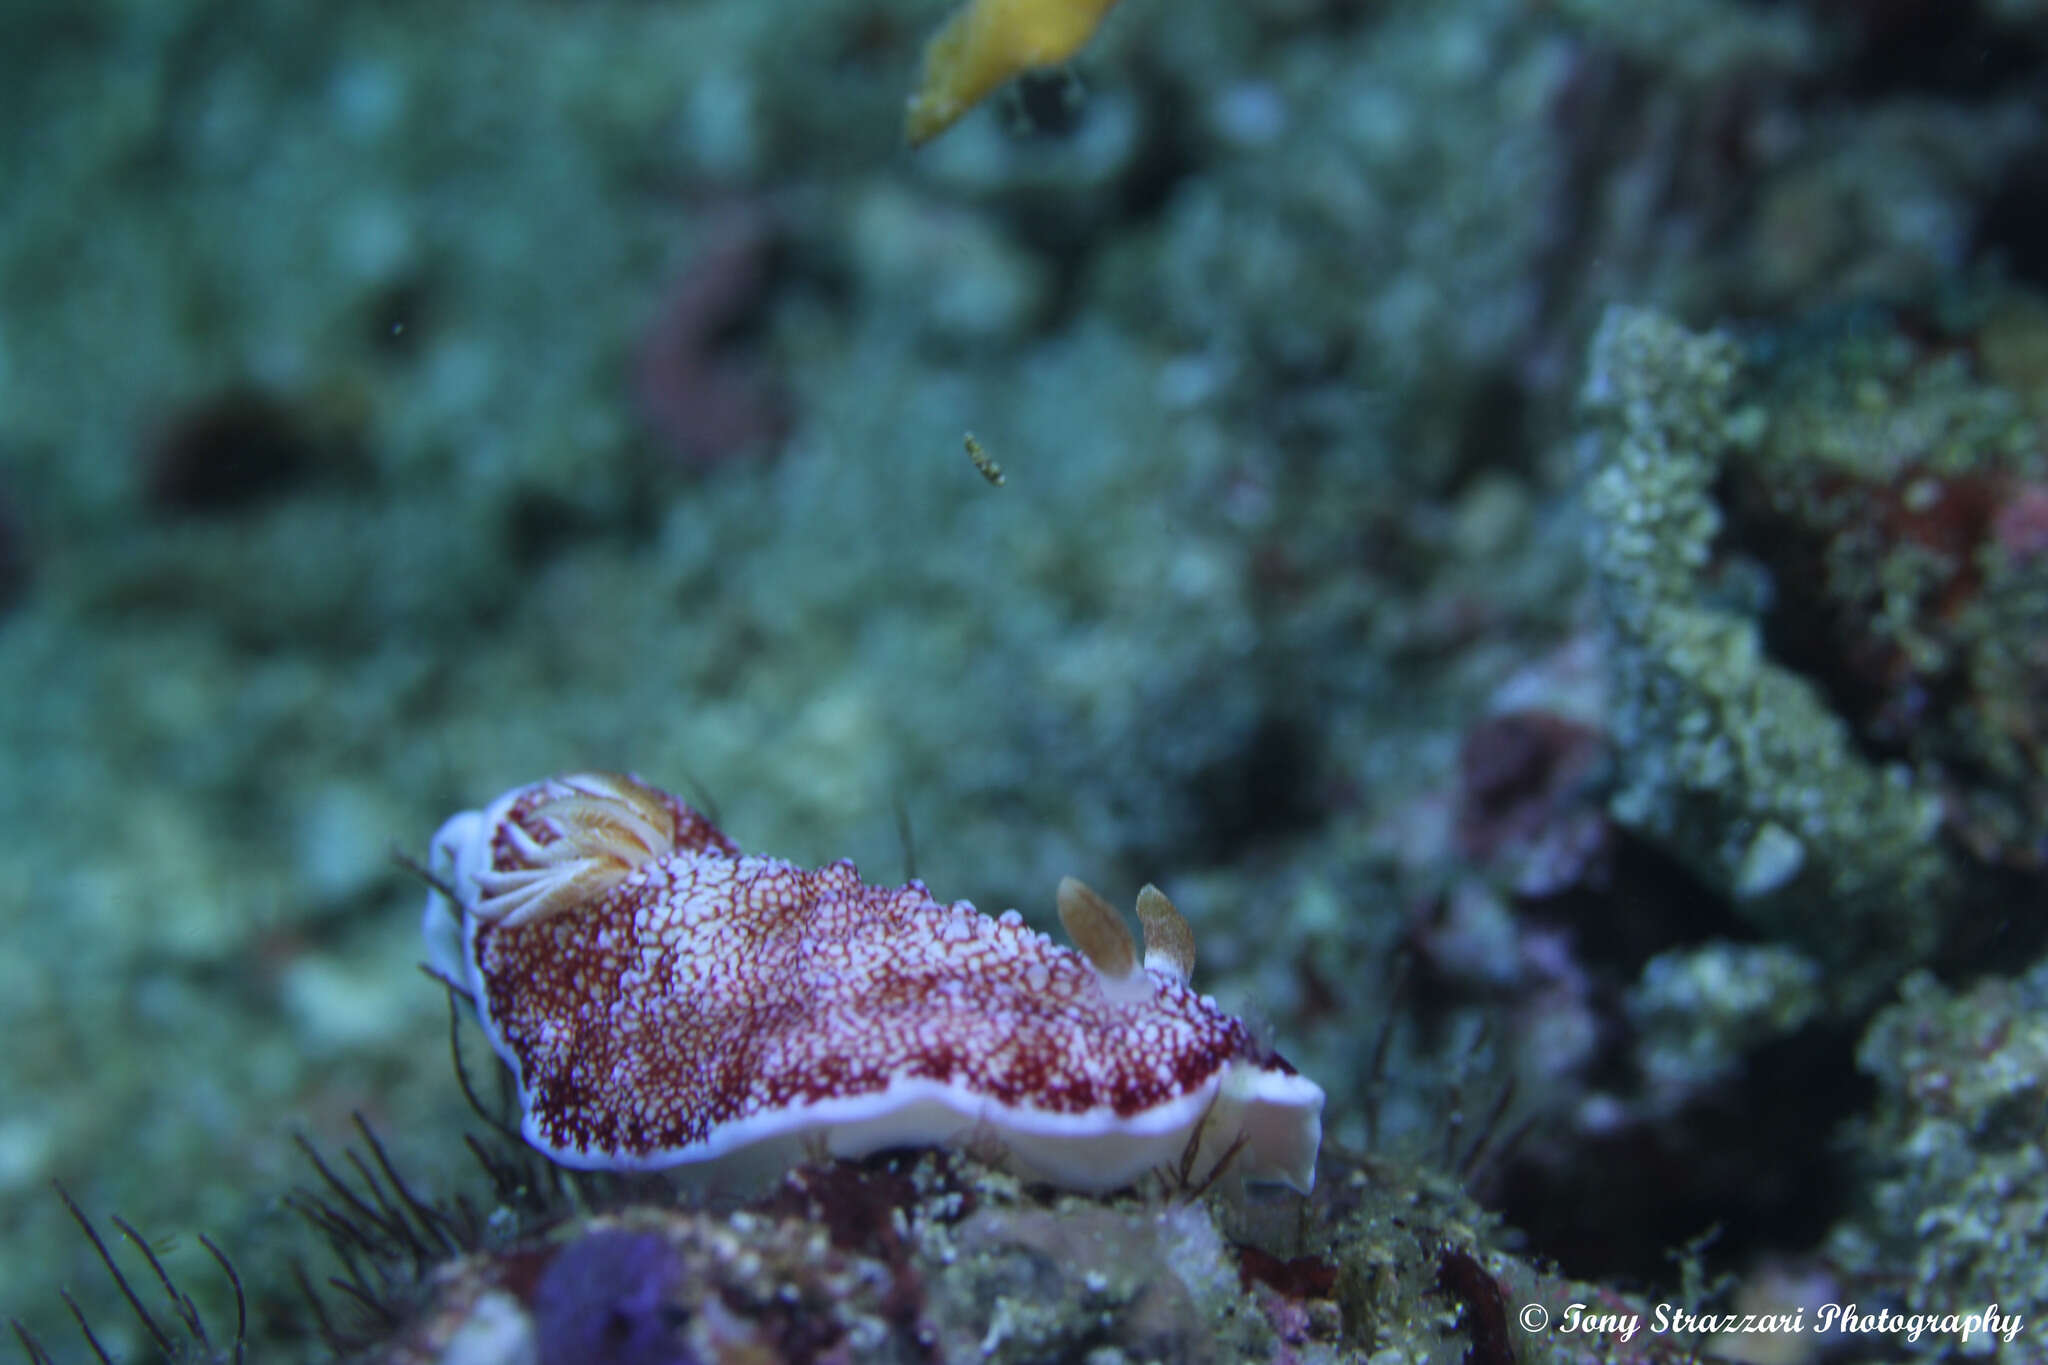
(1755, 1159)
(2012, 225)
(1264, 789)
(243, 447)
(1754, 1154)
(1949, 48)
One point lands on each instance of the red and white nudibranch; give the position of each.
(663, 999)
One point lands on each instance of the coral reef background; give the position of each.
(398, 403)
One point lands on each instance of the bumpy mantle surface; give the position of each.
(663, 999)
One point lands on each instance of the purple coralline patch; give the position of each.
(1529, 802)
(704, 392)
(605, 1298)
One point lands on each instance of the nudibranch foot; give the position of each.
(663, 999)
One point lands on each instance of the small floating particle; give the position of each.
(983, 461)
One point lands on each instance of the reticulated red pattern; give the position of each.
(709, 987)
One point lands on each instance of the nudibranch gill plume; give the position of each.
(664, 999)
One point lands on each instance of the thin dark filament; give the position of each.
(343, 1193)
(1186, 1169)
(363, 1295)
(446, 983)
(462, 1071)
(181, 1304)
(1454, 1121)
(330, 1224)
(433, 1221)
(355, 1282)
(1376, 1069)
(905, 835)
(1499, 1151)
(30, 1347)
(425, 874)
(149, 1323)
(389, 1216)
(85, 1327)
(241, 1302)
(1489, 1129)
(707, 804)
(318, 1306)
(1222, 1165)
(1454, 1127)
(511, 1181)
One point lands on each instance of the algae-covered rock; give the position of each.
(1956, 1215)
(1899, 496)
(934, 1257)
(1699, 1010)
(1731, 761)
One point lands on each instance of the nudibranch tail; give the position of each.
(663, 999)
(1275, 1119)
